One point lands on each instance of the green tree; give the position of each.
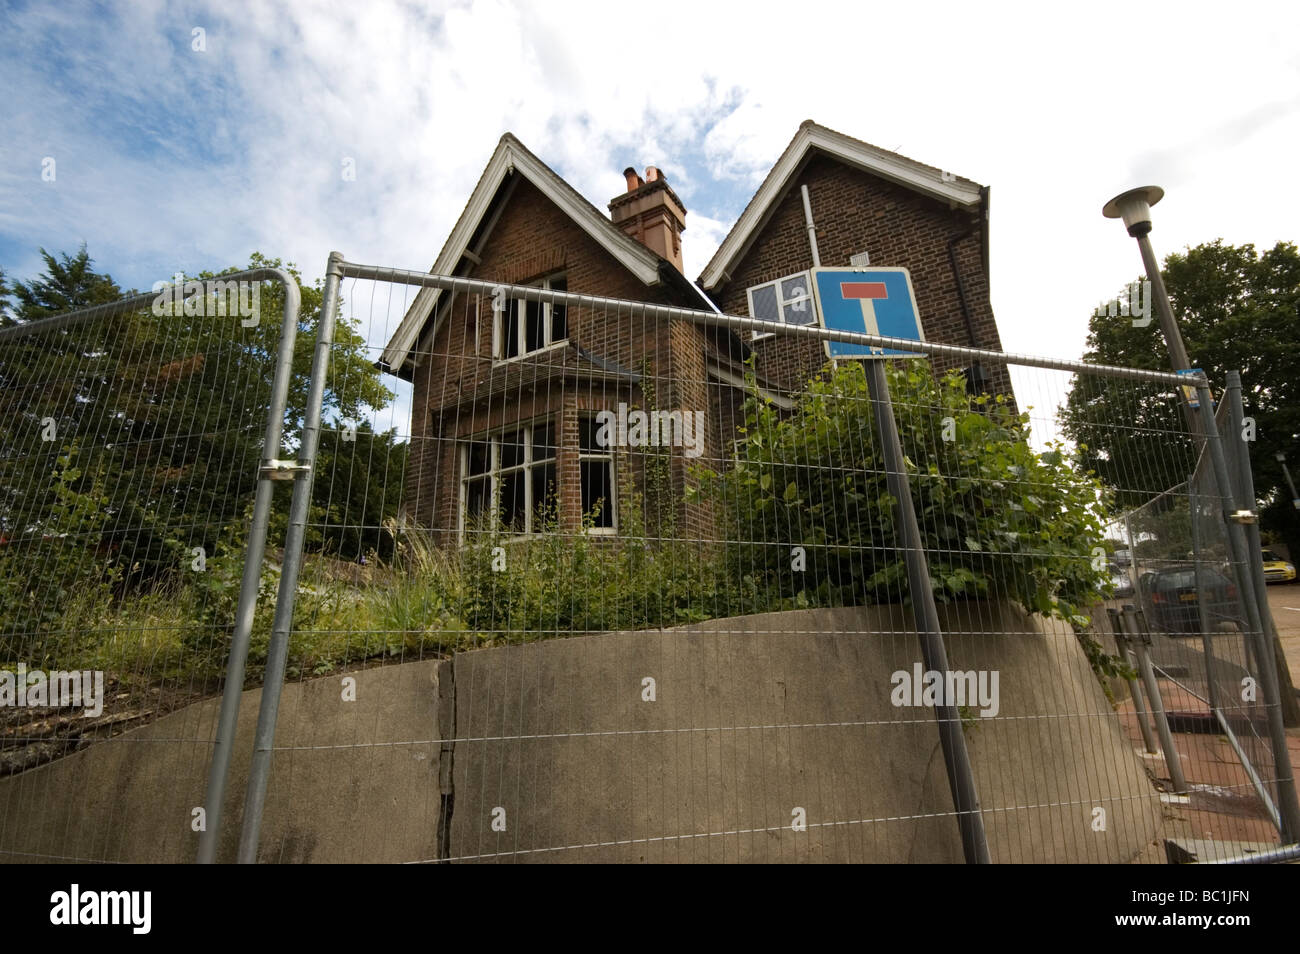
(6, 306)
(50, 592)
(358, 486)
(69, 282)
(1238, 310)
(167, 410)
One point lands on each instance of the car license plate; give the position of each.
(1188, 597)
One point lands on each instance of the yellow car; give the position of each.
(1276, 570)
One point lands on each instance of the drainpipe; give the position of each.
(984, 229)
(975, 377)
(961, 285)
(812, 232)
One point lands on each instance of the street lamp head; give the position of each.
(1280, 457)
(1134, 207)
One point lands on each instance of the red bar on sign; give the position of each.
(863, 290)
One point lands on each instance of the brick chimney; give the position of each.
(652, 214)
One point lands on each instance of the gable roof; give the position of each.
(510, 159)
(926, 180)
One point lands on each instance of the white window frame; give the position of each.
(495, 472)
(499, 322)
(781, 302)
(606, 454)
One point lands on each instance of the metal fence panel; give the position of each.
(622, 581)
(130, 441)
(664, 612)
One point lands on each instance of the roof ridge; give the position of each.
(803, 139)
(637, 258)
(883, 151)
(604, 219)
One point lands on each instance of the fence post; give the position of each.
(960, 777)
(1125, 651)
(1246, 498)
(250, 583)
(1202, 611)
(1140, 637)
(299, 506)
(1246, 537)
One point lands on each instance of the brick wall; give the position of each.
(853, 211)
(532, 240)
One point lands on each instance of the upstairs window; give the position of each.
(526, 327)
(785, 301)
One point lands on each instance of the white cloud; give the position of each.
(1056, 109)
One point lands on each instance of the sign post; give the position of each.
(879, 301)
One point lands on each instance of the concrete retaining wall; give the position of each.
(363, 788)
(759, 716)
(752, 719)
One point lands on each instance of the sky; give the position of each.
(185, 136)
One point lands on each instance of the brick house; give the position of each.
(530, 408)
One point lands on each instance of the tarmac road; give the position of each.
(1284, 601)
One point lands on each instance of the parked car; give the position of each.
(1276, 570)
(1172, 601)
(1122, 582)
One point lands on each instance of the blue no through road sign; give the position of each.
(875, 301)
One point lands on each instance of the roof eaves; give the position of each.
(512, 155)
(398, 348)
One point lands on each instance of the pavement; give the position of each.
(1284, 601)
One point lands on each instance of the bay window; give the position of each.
(509, 479)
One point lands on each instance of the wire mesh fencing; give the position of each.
(595, 579)
(1208, 632)
(131, 435)
(637, 582)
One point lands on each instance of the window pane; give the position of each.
(512, 501)
(476, 500)
(559, 312)
(543, 441)
(763, 304)
(512, 449)
(510, 331)
(587, 431)
(479, 458)
(536, 330)
(799, 312)
(796, 287)
(597, 492)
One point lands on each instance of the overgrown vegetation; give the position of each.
(1000, 520)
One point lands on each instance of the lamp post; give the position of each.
(1280, 457)
(1134, 207)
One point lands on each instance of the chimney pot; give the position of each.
(654, 217)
